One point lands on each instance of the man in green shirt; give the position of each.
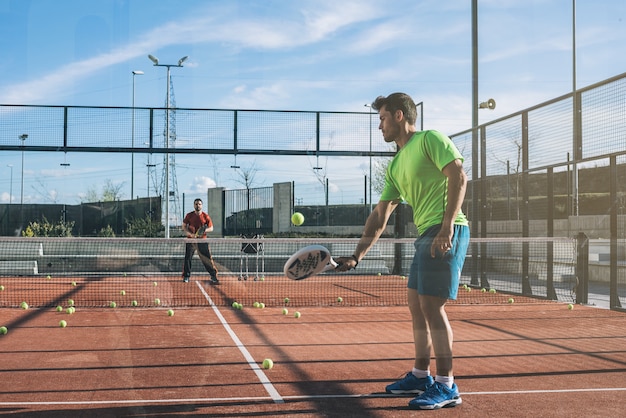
(427, 173)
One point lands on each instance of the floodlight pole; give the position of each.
(155, 61)
(132, 157)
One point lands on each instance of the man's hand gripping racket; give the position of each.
(312, 260)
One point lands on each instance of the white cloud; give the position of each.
(200, 184)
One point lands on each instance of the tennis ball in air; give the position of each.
(155, 283)
(297, 218)
(112, 304)
(3, 330)
(339, 299)
(59, 308)
(268, 363)
(296, 315)
(285, 311)
(62, 323)
(24, 305)
(73, 283)
(133, 303)
(123, 292)
(170, 312)
(570, 306)
(511, 300)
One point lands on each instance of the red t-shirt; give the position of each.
(194, 221)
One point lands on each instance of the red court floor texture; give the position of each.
(511, 360)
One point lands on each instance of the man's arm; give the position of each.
(457, 184)
(374, 227)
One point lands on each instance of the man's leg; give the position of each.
(440, 331)
(189, 250)
(421, 333)
(207, 260)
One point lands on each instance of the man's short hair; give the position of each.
(395, 102)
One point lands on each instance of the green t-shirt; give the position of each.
(414, 175)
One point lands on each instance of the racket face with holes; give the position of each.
(201, 230)
(309, 261)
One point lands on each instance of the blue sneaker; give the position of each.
(410, 384)
(437, 396)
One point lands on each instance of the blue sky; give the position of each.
(286, 55)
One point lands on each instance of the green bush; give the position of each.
(143, 227)
(48, 229)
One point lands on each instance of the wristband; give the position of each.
(356, 260)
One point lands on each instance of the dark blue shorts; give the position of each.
(439, 276)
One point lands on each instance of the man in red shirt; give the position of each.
(196, 224)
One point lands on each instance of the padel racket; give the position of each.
(200, 231)
(308, 262)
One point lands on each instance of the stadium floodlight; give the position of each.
(154, 59)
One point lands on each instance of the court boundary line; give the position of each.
(295, 397)
(265, 381)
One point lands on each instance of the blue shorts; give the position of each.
(439, 276)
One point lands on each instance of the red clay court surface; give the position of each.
(511, 360)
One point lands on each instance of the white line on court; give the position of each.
(295, 397)
(269, 387)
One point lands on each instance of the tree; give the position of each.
(110, 192)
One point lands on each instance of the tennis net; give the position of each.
(94, 272)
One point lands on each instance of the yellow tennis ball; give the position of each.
(297, 218)
(70, 302)
(157, 301)
(286, 300)
(3, 330)
(268, 363)
(285, 311)
(296, 315)
(570, 306)
(133, 303)
(59, 308)
(262, 305)
(73, 283)
(48, 277)
(1, 288)
(112, 304)
(122, 292)
(511, 300)
(170, 312)
(62, 323)
(24, 305)
(483, 290)
(256, 304)
(339, 299)
(492, 290)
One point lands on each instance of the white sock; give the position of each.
(420, 374)
(445, 380)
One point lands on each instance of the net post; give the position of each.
(582, 268)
